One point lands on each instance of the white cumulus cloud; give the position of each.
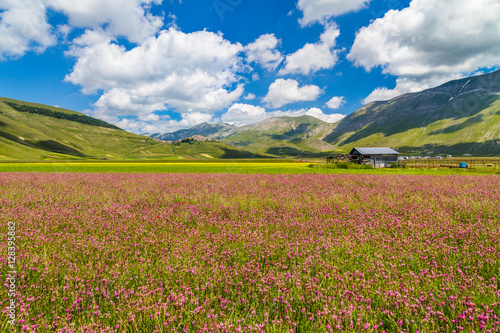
(244, 114)
(320, 10)
(263, 51)
(282, 92)
(127, 18)
(194, 72)
(313, 112)
(329, 118)
(430, 42)
(336, 102)
(241, 114)
(154, 123)
(313, 57)
(24, 25)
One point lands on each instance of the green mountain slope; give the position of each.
(210, 150)
(284, 136)
(33, 136)
(461, 116)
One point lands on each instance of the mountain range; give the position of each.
(284, 136)
(458, 117)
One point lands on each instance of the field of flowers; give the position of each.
(265, 253)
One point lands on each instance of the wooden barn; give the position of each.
(379, 157)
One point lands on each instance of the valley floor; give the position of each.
(230, 166)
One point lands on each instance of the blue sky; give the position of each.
(157, 66)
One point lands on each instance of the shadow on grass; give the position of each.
(294, 152)
(287, 151)
(46, 145)
(235, 153)
(455, 128)
(302, 129)
(57, 147)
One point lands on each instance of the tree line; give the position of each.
(83, 119)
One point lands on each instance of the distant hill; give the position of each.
(204, 129)
(461, 116)
(283, 136)
(30, 131)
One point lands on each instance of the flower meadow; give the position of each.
(253, 253)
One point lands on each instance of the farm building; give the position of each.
(379, 157)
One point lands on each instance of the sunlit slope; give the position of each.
(461, 116)
(284, 136)
(31, 136)
(280, 136)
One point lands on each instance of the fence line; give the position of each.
(447, 163)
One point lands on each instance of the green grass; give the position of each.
(341, 165)
(236, 167)
(164, 167)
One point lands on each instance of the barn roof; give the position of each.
(375, 151)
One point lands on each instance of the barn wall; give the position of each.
(383, 161)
